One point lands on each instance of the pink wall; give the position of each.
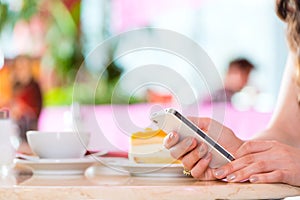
(138, 13)
(111, 125)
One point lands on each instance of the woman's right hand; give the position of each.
(195, 156)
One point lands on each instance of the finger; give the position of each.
(253, 146)
(270, 177)
(202, 123)
(183, 147)
(253, 163)
(190, 159)
(199, 169)
(207, 175)
(170, 140)
(244, 173)
(230, 168)
(236, 165)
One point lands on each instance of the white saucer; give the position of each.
(143, 169)
(58, 167)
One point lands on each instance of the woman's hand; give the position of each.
(195, 156)
(263, 162)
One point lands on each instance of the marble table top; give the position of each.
(101, 182)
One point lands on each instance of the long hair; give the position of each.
(289, 12)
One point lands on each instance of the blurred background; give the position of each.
(54, 37)
(58, 35)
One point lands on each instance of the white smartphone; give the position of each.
(171, 120)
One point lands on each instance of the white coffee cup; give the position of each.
(57, 145)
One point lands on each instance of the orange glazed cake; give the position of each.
(147, 147)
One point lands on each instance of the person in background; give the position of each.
(26, 104)
(272, 156)
(235, 80)
(154, 96)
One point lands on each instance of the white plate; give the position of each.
(58, 167)
(141, 169)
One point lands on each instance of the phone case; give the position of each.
(171, 120)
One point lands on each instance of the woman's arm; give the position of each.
(268, 159)
(285, 123)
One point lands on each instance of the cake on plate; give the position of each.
(147, 147)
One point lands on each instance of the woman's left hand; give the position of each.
(263, 162)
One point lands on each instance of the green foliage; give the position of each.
(8, 17)
(29, 9)
(63, 39)
(3, 15)
(58, 96)
(64, 50)
(102, 94)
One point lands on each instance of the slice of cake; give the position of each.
(147, 147)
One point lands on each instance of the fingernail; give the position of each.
(219, 173)
(207, 156)
(231, 177)
(253, 179)
(171, 136)
(201, 150)
(189, 142)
